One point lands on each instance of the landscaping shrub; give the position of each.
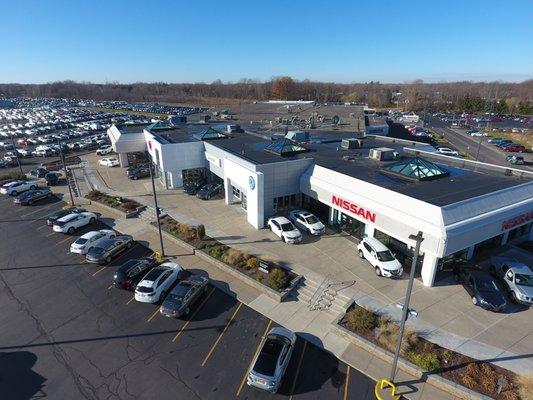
(233, 257)
(447, 355)
(260, 278)
(252, 263)
(277, 279)
(94, 195)
(183, 227)
(216, 251)
(359, 318)
(14, 175)
(129, 206)
(426, 361)
(387, 335)
(200, 232)
(525, 385)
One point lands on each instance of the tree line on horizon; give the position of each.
(416, 95)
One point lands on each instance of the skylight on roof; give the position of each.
(416, 168)
(285, 147)
(209, 134)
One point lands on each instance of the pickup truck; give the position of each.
(517, 278)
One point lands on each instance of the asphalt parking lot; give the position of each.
(67, 334)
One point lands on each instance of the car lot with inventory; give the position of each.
(67, 332)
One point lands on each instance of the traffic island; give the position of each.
(460, 375)
(270, 278)
(125, 207)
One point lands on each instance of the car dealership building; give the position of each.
(372, 185)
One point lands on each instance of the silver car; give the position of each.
(516, 276)
(271, 361)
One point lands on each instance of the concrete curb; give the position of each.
(446, 385)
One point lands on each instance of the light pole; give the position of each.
(16, 153)
(150, 166)
(65, 170)
(418, 238)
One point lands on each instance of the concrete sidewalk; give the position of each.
(446, 315)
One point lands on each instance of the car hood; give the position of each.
(292, 234)
(391, 265)
(173, 305)
(493, 298)
(317, 226)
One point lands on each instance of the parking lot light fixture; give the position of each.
(62, 156)
(16, 154)
(405, 306)
(150, 167)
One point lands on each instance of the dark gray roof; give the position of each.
(131, 128)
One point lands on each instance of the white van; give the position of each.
(380, 257)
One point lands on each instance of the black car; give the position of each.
(484, 291)
(134, 168)
(131, 272)
(39, 172)
(178, 302)
(210, 190)
(108, 249)
(52, 178)
(61, 213)
(139, 173)
(31, 196)
(192, 186)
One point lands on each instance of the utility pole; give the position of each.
(65, 170)
(418, 238)
(150, 166)
(15, 152)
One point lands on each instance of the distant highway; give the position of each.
(475, 146)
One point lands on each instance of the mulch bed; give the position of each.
(119, 203)
(476, 375)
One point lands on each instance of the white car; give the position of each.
(91, 239)
(380, 257)
(17, 187)
(284, 228)
(479, 133)
(109, 162)
(69, 223)
(447, 151)
(307, 222)
(157, 283)
(102, 151)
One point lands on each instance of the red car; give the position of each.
(515, 148)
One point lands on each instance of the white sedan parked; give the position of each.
(17, 187)
(69, 223)
(102, 151)
(307, 221)
(91, 239)
(447, 151)
(109, 162)
(284, 228)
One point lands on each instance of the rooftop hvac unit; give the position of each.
(351, 143)
(383, 154)
(232, 128)
(298, 136)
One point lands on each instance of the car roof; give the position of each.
(376, 244)
(281, 220)
(68, 217)
(89, 235)
(182, 288)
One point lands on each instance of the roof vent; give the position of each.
(351, 143)
(350, 158)
(383, 154)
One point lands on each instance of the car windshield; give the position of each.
(287, 227)
(524, 280)
(312, 219)
(486, 285)
(175, 297)
(385, 256)
(81, 241)
(143, 289)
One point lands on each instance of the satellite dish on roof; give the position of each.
(335, 119)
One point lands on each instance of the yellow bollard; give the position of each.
(383, 385)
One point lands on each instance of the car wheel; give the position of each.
(283, 239)
(361, 255)
(474, 300)
(378, 271)
(92, 220)
(108, 259)
(49, 195)
(70, 230)
(512, 295)
(128, 246)
(14, 193)
(205, 289)
(187, 311)
(270, 227)
(30, 202)
(33, 187)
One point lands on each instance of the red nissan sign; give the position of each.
(150, 145)
(353, 208)
(518, 220)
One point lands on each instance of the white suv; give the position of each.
(69, 223)
(307, 221)
(17, 187)
(91, 239)
(102, 151)
(380, 257)
(447, 151)
(284, 228)
(157, 283)
(109, 162)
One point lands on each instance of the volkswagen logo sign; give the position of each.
(251, 182)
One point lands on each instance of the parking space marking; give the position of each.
(31, 213)
(110, 287)
(63, 241)
(153, 315)
(255, 355)
(100, 270)
(193, 315)
(297, 371)
(41, 227)
(130, 300)
(345, 396)
(50, 234)
(221, 334)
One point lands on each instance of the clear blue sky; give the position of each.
(203, 40)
